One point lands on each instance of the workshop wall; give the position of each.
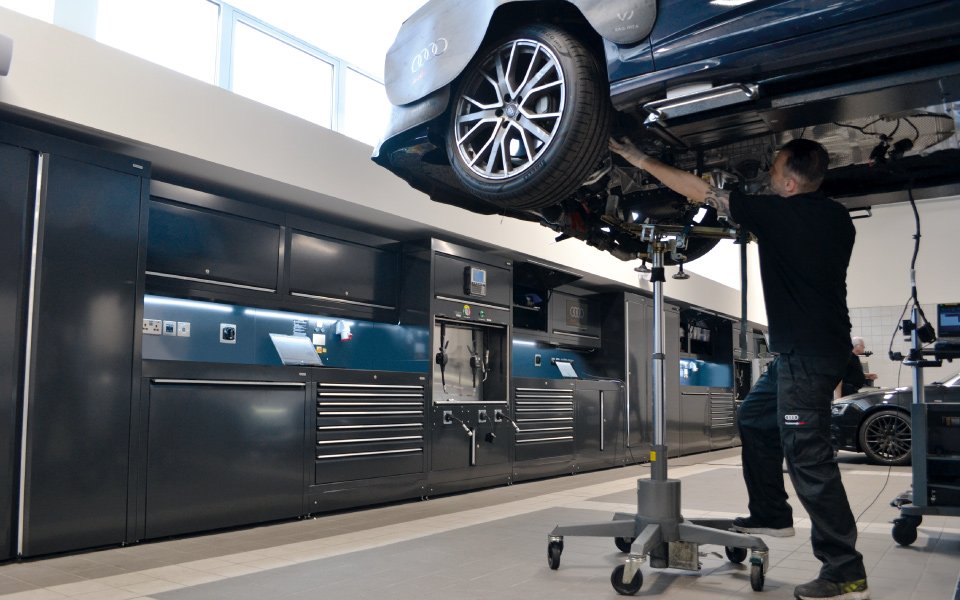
(878, 281)
(191, 130)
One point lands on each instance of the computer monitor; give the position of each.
(948, 321)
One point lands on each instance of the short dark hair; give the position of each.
(807, 160)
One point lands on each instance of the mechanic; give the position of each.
(854, 378)
(805, 240)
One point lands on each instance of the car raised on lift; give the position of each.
(506, 106)
(877, 422)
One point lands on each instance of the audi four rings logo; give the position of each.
(577, 312)
(791, 417)
(434, 48)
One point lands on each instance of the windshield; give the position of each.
(953, 381)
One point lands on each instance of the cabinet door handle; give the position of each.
(601, 421)
(231, 382)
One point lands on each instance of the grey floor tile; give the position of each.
(506, 558)
(9, 585)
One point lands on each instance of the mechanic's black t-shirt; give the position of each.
(805, 243)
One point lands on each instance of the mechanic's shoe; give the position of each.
(821, 589)
(750, 525)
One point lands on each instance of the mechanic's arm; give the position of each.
(682, 182)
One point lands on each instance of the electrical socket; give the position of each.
(152, 327)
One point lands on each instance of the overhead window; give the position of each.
(177, 34)
(38, 9)
(359, 32)
(277, 73)
(366, 110)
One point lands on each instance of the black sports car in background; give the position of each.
(877, 422)
(506, 106)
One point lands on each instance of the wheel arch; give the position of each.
(565, 14)
(436, 43)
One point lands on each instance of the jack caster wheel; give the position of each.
(554, 550)
(904, 532)
(736, 555)
(623, 543)
(756, 577)
(912, 520)
(626, 589)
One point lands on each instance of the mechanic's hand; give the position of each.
(625, 148)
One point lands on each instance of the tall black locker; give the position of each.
(81, 362)
(16, 167)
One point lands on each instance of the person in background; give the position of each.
(805, 240)
(854, 378)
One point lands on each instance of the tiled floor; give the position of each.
(492, 544)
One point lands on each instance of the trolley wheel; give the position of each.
(554, 550)
(756, 577)
(912, 520)
(904, 532)
(626, 589)
(736, 555)
(623, 543)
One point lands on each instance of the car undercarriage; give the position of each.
(522, 131)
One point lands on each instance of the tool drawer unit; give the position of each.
(369, 437)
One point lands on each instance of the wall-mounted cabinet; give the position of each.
(570, 317)
(574, 320)
(533, 283)
(195, 244)
(332, 270)
(218, 248)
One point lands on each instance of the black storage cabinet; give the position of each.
(546, 414)
(627, 353)
(83, 362)
(367, 441)
(17, 170)
(328, 269)
(224, 446)
(599, 435)
(195, 244)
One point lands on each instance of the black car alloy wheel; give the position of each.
(530, 119)
(885, 437)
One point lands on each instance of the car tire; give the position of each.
(885, 437)
(520, 141)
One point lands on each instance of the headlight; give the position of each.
(839, 408)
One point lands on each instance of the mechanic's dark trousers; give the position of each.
(787, 415)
